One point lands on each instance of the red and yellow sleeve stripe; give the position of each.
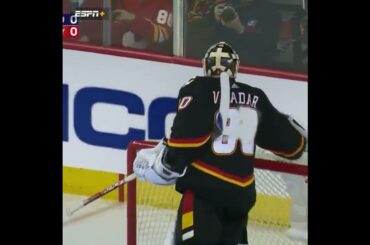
(293, 153)
(188, 142)
(227, 177)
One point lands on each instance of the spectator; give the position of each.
(200, 27)
(200, 8)
(92, 30)
(149, 26)
(135, 24)
(251, 26)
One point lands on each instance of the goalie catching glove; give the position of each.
(149, 166)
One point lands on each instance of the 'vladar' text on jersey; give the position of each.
(221, 171)
(238, 98)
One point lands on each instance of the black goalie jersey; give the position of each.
(221, 170)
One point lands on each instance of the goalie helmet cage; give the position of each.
(281, 203)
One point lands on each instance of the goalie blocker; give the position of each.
(149, 166)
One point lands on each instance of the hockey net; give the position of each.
(278, 217)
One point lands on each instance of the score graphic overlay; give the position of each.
(71, 21)
(70, 26)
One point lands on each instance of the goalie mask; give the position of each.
(220, 57)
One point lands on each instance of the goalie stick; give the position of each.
(98, 195)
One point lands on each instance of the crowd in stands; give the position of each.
(257, 29)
